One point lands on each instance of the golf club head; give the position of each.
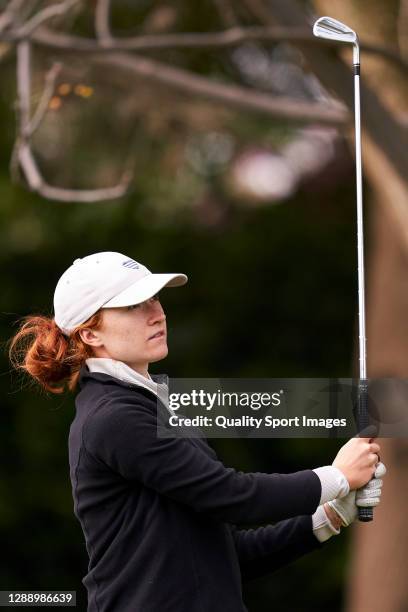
(331, 29)
(327, 27)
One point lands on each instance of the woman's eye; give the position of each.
(155, 298)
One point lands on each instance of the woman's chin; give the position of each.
(159, 353)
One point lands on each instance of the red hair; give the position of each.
(51, 358)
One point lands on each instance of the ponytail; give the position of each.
(52, 359)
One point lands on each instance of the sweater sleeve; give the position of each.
(266, 549)
(125, 438)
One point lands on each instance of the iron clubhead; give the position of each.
(327, 27)
(331, 29)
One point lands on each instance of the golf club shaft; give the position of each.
(364, 514)
(360, 234)
(332, 29)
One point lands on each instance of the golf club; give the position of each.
(331, 29)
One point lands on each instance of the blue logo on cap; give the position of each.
(130, 263)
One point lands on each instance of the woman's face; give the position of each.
(136, 335)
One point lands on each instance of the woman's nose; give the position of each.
(156, 312)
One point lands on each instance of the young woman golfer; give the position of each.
(161, 516)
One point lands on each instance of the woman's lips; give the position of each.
(157, 335)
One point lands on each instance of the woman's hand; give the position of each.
(343, 512)
(357, 459)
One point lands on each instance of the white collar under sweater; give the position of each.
(120, 370)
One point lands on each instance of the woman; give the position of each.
(160, 514)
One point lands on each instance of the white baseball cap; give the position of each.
(105, 280)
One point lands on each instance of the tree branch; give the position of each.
(102, 25)
(9, 13)
(37, 183)
(23, 156)
(23, 86)
(27, 29)
(232, 95)
(231, 37)
(105, 50)
(226, 12)
(383, 127)
(47, 94)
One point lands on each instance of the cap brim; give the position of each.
(145, 288)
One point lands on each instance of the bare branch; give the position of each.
(102, 25)
(232, 95)
(156, 42)
(9, 13)
(38, 184)
(102, 50)
(46, 96)
(85, 196)
(51, 11)
(387, 53)
(23, 156)
(9, 17)
(215, 40)
(382, 126)
(29, 167)
(161, 18)
(23, 85)
(226, 12)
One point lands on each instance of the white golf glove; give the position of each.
(367, 497)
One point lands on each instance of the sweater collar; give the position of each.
(123, 372)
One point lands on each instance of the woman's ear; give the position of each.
(90, 337)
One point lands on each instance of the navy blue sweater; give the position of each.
(160, 515)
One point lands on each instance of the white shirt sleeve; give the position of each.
(323, 528)
(334, 483)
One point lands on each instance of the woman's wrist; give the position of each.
(333, 482)
(333, 517)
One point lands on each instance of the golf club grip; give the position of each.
(365, 515)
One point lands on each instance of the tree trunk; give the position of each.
(377, 575)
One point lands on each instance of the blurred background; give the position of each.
(214, 139)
